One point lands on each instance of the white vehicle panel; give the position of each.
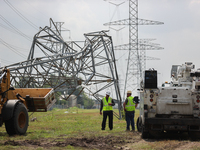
(175, 100)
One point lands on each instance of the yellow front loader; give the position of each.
(16, 103)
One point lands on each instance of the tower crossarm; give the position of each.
(149, 46)
(141, 46)
(134, 22)
(152, 58)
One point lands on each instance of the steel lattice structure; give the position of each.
(64, 66)
(137, 48)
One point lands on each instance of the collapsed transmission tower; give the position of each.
(54, 63)
(137, 55)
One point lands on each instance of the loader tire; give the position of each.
(18, 124)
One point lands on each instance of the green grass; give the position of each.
(57, 123)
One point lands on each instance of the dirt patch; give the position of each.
(106, 142)
(124, 141)
(168, 142)
(189, 145)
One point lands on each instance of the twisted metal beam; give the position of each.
(54, 63)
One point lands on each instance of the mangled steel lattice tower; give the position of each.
(52, 62)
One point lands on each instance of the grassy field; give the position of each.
(81, 129)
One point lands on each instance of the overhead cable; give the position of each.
(5, 61)
(15, 29)
(12, 48)
(20, 15)
(36, 9)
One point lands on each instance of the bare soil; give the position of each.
(107, 142)
(124, 141)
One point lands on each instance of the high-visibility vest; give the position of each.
(130, 106)
(107, 107)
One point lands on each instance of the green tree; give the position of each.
(88, 103)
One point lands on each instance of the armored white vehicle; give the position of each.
(172, 108)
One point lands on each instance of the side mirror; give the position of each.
(11, 88)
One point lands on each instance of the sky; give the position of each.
(179, 35)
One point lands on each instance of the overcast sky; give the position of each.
(179, 36)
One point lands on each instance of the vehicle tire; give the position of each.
(139, 124)
(194, 135)
(144, 135)
(18, 124)
(10, 127)
(156, 134)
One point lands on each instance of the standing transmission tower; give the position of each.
(137, 56)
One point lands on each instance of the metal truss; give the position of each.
(141, 46)
(54, 63)
(134, 21)
(136, 63)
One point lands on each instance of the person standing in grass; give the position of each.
(106, 105)
(129, 107)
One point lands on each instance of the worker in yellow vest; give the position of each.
(106, 105)
(129, 108)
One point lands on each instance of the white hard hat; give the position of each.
(107, 93)
(129, 92)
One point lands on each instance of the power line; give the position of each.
(12, 48)
(13, 31)
(38, 10)
(20, 15)
(5, 61)
(19, 48)
(7, 28)
(14, 28)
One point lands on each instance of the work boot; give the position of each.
(127, 130)
(132, 130)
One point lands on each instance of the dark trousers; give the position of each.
(110, 117)
(130, 120)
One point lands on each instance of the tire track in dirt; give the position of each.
(189, 145)
(174, 145)
(169, 142)
(124, 141)
(106, 142)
